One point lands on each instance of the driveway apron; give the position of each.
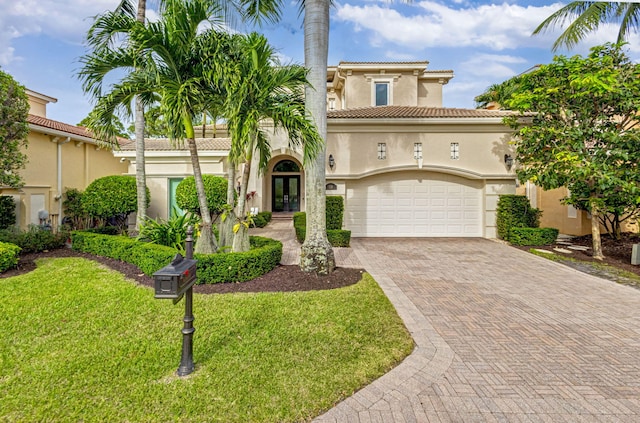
(501, 335)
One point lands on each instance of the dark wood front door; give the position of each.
(286, 193)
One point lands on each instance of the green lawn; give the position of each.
(78, 342)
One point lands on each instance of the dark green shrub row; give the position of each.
(8, 256)
(261, 219)
(515, 211)
(104, 230)
(264, 256)
(533, 236)
(336, 237)
(33, 240)
(335, 212)
(214, 268)
(7, 212)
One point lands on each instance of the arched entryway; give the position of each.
(285, 186)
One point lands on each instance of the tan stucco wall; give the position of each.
(429, 93)
(81, 163)
(359, 88)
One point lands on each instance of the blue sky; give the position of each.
(482, 41)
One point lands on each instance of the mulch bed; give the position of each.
(280, 279)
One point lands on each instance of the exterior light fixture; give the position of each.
(508, 160)
(332, 162)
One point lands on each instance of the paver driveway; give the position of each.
(501, 335)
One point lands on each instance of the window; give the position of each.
(382, 151)
(382, 93)
(286, 166)
(455, 151)
(417, 150)
(332, 104)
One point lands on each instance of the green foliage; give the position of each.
(585, 132)
(261, 219)
(171, 233)
(112, 197)
(8, 256)
(7, 212)
(335, 212)
(118, 126)
(215, 188)
(14, 109)
(533, 236)
(515, 211)
(34, 240)
(74, 213)
(264, 256)
(336, 237)
(155, 125)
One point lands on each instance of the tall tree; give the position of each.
(587, 16)
(584, 133)
(264, 94)
(316, 254)
(14, 109)
(170, 60)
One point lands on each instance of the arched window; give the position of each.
(286, 166)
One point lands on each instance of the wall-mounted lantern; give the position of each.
(332, 162)
(508, 161)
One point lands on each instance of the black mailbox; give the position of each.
(173, 280)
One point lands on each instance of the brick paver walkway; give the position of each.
(501, 335)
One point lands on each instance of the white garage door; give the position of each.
(414, 204)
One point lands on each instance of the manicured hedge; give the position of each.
(7, 211)
(264, 256)
(261, 219)
(334, 212)
(33, 240)
(515, 211)
(336, 237)
(533, 236)
(8, 256)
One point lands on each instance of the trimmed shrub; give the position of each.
(112, 197)
(33, 240)
(74, 215)
(515, 211)
(261, 219)
(336, 237)
(215, 188)
(171, 233)
(335, 212)
(7, 212)
(8, 256)
(533, 236)
(212, 268)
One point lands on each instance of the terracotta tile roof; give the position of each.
(164, 144)
(59, 126)
(409, 112)
(438, 71)
(417, 62)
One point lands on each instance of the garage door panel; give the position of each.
(414, 204)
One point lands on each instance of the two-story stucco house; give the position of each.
(405, 165)
(60, 156)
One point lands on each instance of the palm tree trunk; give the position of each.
(226, 226)
(206, 243)
(316, 252)
(141, 179)
(595, 230)
(241, 237)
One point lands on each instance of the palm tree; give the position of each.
(587, 16)
(316, 253)
(169, 61)
(264, 93)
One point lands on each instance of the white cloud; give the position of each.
(494, 26)
(493, 65)
(67, 20)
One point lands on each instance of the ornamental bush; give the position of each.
(261, 219)
(515, 211)
(215, 188)
(33, 240)
(8, 256)
(7, 212)
(336, 237)
(533, 236)
(335, 212)
(112, 198)
(265, 254)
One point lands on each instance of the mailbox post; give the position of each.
(173, 282)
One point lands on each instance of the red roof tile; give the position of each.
(410, 112)
(59, 126)
(164, 144)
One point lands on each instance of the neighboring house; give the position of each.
(405, 165)
(60, 156)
